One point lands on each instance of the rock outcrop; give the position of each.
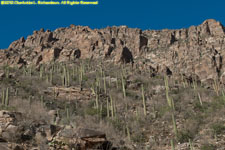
(15, 134)
(69, 92)
(198, 50)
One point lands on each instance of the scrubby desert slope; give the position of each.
(114, 88)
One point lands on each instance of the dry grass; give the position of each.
(129, 127)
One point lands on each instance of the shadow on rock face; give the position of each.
(77, 53)
(127, 56)
(168, 72)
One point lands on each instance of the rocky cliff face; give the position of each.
(197, 51)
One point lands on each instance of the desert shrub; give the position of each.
(218, 128)
(184, 136)
(117, 124)
(208, 147)
(138, 137)
(91, 111)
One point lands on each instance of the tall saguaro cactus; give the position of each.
(5, 97)
(143, 98)
(123, 86)
(65, 77)
(41, 72)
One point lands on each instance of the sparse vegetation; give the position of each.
(131, 105)
(208, 147)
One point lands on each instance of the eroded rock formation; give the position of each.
(198, 50)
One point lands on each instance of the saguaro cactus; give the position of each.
(3, 97)
(112, 108)
(65, 77)
(7, 97)
(143, 99)
(41, 72)
(123, 86)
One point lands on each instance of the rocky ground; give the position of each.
(83, 105)
(114, 88)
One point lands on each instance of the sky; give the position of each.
(17, 21)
